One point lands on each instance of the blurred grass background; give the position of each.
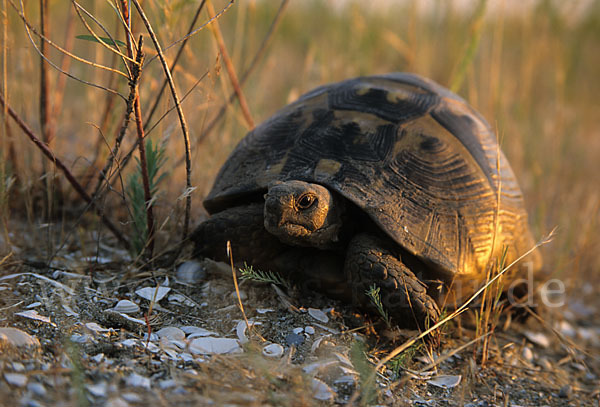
(534, 75)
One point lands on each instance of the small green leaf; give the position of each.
(107, 41)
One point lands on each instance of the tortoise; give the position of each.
(388, 181)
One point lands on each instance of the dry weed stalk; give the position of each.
(182, 121)
(65, 170)
(216, 29)
(257, 57)
(174, 64)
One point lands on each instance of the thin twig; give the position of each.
(127, 157)
(108, 34)
(135, 71)
(80, 190)
(184, 128)
(61, 83)
(44, 76)
(165, 114)
(173, 65)
(197, 30)
(141, 145)
(29, 29)
(216, 29)
(257, 57)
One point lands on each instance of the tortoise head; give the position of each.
(303, 214)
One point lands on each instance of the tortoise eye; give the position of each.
(305, 201)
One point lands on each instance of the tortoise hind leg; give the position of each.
(404, 297)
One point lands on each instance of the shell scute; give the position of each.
(414, 156)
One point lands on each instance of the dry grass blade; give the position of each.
(173, 65)
(29, 28)
(65, 170)
(197, 30)
(236, 285)
(257, 57)
(45, 117)
(79, 9)
(103, 176)
(464, 306)
(184, 128)
(216, 29)
(470, 48)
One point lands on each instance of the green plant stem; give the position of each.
(184, 127)
(140, 133)
(173, 65)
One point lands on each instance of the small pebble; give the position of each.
(294, 339)
(545, 364)
(13, 337)
(190, 272)
(309, 330)
(318, 315)
(527, 354)
(243, 295)
(565, 391)
(166, 384)
(131, 397)
(16, 379)
(538, 338)
(135, 380)
(98, 389)
(321, 391)
(37, 388)
(298, 330)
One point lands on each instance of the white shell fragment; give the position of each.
(135, 380)
(214, 345)
(182, 300)
(196, 331)
(13, 337)
(537, 338)
(69, 311)
(126, 307)
(318, 315)
(33, 314)
(445, 381)
(273, 350)
(94, 327)
(321, 391)
(148, 293)
(172, 333)
(241, 329)
(15, 379)
(97, 389)
(33, 305)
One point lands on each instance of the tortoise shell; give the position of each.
(421, 162)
